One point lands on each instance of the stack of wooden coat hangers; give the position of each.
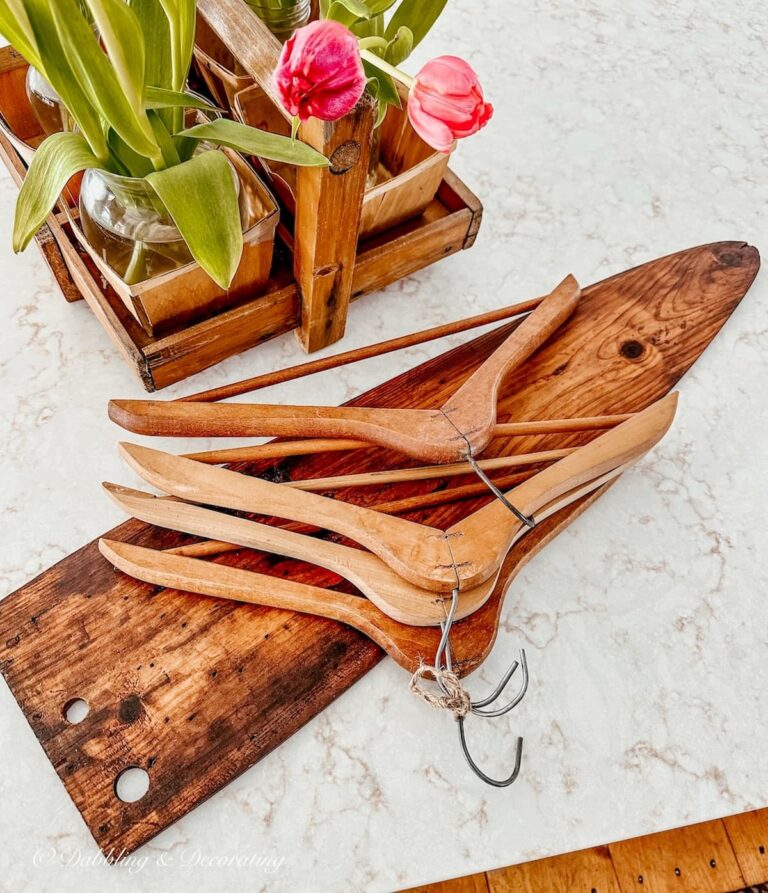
(413, 573)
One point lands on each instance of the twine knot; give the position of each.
(454, 696)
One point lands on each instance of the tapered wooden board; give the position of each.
(196, 690)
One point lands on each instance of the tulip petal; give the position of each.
(432, 130)
(447, 96)
(320, 72)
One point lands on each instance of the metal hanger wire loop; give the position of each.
(443, 663)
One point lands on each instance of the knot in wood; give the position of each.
(345, 157)
(732, 258)
(632, 350)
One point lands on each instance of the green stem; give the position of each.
(136, 270)
(177, 121)
(384, 66)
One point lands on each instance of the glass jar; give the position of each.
(130, 229)
(282, 17)
(46, 104)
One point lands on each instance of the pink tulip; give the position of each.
(446, 102)
(320, 73)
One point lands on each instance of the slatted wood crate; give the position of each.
(321, 260)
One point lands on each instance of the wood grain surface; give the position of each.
(195, 689)
(726, 855)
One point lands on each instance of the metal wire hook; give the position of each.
(494, 782)
(443, 653)
(443, 660)
(501, 711)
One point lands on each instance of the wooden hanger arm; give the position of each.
(488, 531)
(394, 596)
(179, 419)
(472, 409)
(415, 551)
(220, 581)
(278, 449)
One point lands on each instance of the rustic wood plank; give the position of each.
(695, 859)
(54, 257)
(473, 883)
(587, 871)
(197, 689)
(748, 834)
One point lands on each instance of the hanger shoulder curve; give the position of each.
(472, 408)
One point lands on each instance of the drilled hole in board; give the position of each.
(75, 710)
(132, 784)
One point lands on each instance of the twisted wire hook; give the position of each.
(443, 661)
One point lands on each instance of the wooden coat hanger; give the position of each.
(462, 427)
(472, 640)
(464, 556)
(390, 593)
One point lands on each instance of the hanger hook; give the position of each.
(443, 662)
(501, 711)
(494, 782)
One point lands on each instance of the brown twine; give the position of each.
(455, 698)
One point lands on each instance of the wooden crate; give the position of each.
(320, 264)
(188, 294)
(409, 171)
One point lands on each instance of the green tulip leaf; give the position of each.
(271, 146)
(98, 80)
(381, 112)
(373, 27)
(55, 67)
(377, 7)
(400, 47)
(128, 162)
(158, 98)
(387, 91)
(181, 21)
(17, 30)
(201, 198)
(164, 139)
(157, 52)
(417, 15)
(347, 12)
(375, 44)
(60, 157)
(157, 42)
(120, 31)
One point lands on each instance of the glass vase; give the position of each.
(282, 17)
(129, 228)
(46, 104)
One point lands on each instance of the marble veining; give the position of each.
(623, 131)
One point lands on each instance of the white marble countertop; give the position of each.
(623, 131)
